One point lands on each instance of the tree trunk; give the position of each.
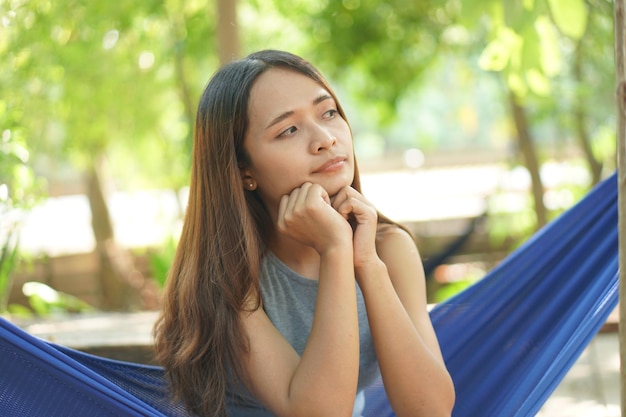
(527, 148)
(580, 120)
(119, 280)
(177, 23)
(620, 73)
(227, 31)
(184, 93)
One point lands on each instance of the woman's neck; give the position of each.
(298, 257)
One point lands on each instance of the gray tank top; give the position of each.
(289, 302)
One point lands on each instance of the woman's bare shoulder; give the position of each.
(396, 245)
(387, 232)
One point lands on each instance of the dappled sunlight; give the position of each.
(62, 225)
(147, 218)
(591, 387)
(466, 191)
(95, 329)
(577, 407)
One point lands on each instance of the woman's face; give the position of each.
(295, 135)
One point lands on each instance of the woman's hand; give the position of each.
(307, 216)
(362, 215)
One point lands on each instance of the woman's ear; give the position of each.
(248, 182)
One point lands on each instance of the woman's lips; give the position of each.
(331, 165)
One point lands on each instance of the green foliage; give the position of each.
(123, 79)
(451, 289)
(45, 300)
(570, 16)
(470, 274)
(380, 55)
(104, 78)
(160, 261)
(527, 41)
(518, 226)
(374, 49)
(8, 259)
(20, 190)
(18, 310)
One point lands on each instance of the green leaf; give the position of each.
(20, 311)
(473, 12)
(530, 53)
(538, 83)
(517, 84)
(570, 16)
(501, 52)
(550, 53)
(452, 289)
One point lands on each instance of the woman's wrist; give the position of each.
(372, 268)
(340, 247)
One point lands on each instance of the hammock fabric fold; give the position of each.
(508, 340)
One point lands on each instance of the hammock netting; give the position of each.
(508, 340)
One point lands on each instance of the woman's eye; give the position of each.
(330, 113)
(290, 131)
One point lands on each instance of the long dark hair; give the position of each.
(199, 338)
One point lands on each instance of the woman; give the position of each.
(289, 293)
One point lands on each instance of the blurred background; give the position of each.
(475, 123)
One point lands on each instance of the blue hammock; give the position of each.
(507, 340)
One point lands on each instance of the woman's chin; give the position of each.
(334, 189)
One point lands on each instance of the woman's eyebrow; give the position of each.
(280, 118)
(322, 97)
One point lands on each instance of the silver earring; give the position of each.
(250, 185)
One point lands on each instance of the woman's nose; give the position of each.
(322, 140)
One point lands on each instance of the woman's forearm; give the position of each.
(328, 370)
(416, 381)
